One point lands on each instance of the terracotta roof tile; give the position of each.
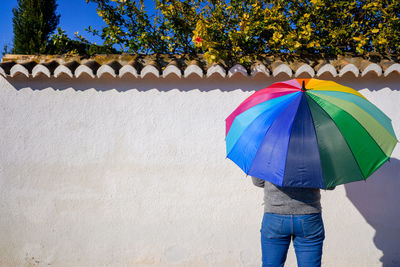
(187, 65)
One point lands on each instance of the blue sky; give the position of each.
(76, 15)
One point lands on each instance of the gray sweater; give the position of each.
(287, 200)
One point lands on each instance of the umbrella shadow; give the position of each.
(378, 200)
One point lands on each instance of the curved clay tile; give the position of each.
(39, 68)
(149, 69)
(181, 65)
(392, 68)
(128, 69)
(62, 69)
(216, 68)
(305, 68)
(259, 68)
(372, 67)
(193, 67)
(81, 69)
(281, 68)
(349, 68)
(105, 69)
(18, 68)
(238, 68)
(327, 68)
(172, 69)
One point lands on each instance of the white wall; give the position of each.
(132, 172)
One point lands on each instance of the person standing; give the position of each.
(291, 214)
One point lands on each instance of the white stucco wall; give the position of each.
(132, 172)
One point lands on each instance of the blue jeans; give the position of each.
(307, 232)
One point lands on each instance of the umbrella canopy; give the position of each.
(309, 133)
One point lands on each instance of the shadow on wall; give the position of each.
(378, 200)
(215, 82)
(147, 83)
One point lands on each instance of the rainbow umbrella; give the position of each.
(309, 133)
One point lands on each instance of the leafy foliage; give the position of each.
(33, 22)
(233, 30)
(242, 30)
(128, 26)
(60, 43)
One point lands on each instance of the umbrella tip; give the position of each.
(303, 87)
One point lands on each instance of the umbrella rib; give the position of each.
(303, 113)
(348, 146)
(283, 103)
(369, 108)
(386, 148)
(254, 98)
(237, 141)
(327, 86)
(373, 140)
(315, 132)
(283, 110)
(336, 137)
